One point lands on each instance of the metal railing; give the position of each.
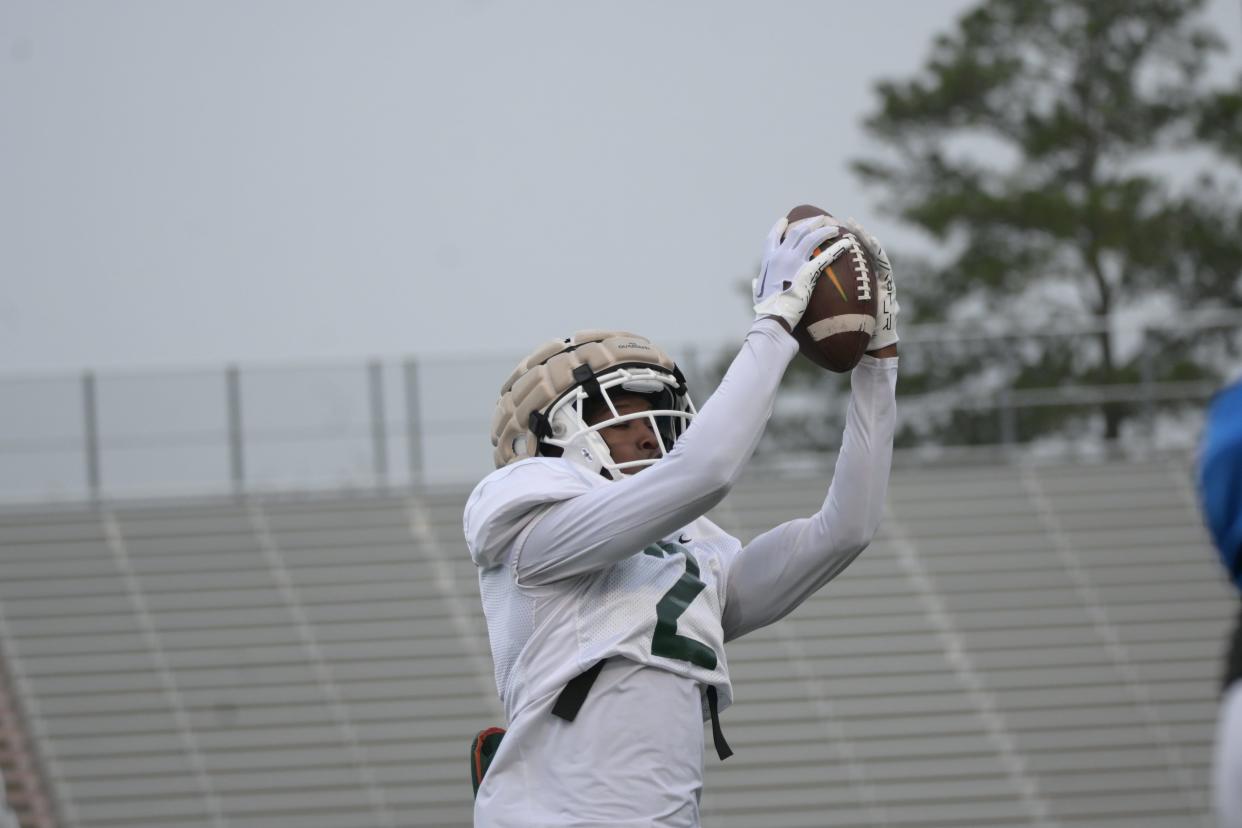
(380, 423)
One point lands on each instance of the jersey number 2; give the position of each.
(666, 642)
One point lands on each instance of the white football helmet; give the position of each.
(541, 405)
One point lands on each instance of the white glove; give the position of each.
(886, 309)
(788, 274)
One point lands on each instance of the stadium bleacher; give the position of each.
(1023, 645)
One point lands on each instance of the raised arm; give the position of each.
(781, 568)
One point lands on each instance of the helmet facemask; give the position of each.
(669, 416)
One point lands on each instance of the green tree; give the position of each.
(1073, 166)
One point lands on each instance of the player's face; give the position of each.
(632, 439)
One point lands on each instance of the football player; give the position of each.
(1220, 488)
(609, 596)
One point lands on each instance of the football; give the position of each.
(840, 318)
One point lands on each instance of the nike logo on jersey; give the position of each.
(683, 539)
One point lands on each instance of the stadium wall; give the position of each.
(1024, 644)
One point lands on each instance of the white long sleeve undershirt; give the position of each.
(784, 566)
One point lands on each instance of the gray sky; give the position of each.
(191, 183)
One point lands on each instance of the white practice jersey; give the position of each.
(661, 606)
(575, 568)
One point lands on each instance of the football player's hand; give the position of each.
(790, 266)
(887, 307)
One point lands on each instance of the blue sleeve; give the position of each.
(1220, 477)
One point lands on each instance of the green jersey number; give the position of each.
(666, 642)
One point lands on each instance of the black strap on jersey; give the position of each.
(569, 702)
(713, 707)
(1233, 656)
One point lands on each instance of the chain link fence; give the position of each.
(425, 421)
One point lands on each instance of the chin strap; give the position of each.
(584, 377)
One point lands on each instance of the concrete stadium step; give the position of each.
(1053, 627)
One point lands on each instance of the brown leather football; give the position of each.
(840, 318)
